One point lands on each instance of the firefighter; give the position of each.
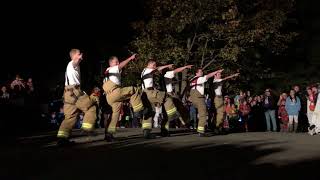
(75, 100)
(198, 99)
(155, 96)
(218, 100)
(169, 76)
(116, 94)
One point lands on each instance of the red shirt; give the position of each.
(244, 109)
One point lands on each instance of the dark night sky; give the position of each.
(46, 33)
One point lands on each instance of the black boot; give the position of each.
(204, 135)
(164, 133)
(63, 142)
(290, 127)
(296, 127)
(88, 133)
(109, 137)
(147, 134)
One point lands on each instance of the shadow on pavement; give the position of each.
(136, 158)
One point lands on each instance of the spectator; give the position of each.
(244, 111)
(260, 116)
(311, 104)
(4, 94)
(231, 113)
(157, 115)
(18, 82)
(248, 94)
(315, 91)
(30, 87)
(255, 115)
(60, 116)
(303, 119)
(193, 115)
(238, 98)
(315, 122)
(293, 106)
(95, 98)
(283, 116)
(269, 111)
(283, 97)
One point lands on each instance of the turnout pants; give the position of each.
(75, 101)
(155, 96)
(218, 103)
(115, 96)
(198, 101)
(182, 110)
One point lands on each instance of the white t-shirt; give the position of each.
(148, 82)
(114, 75)
(72, 75)
(169, 75)
(198, 84)
(218, 87)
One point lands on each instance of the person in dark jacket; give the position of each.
(269, 111)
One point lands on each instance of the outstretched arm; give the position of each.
(210, 75)
(160, 68)
(182, 68)
(231, 76)
(125, 62)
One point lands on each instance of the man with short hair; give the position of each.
(269, 111)
(218, 99)
(198, 99)
(116, 94)
(74, 100)
(169, 76)
(155, 96)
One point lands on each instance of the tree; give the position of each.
(232, 34)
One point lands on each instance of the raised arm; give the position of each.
(160, 68)
(182, 68)
(210, 75)
(231, 76)
(125, 62)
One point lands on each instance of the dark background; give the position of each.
(37, 37)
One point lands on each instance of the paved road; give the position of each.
(182, 156)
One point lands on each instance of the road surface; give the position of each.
(184, 155)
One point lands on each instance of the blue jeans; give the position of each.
(271, 116)
(193, 117)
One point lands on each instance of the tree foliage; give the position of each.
(233, 34)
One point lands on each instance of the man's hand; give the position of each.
(189, 66)
(132, 57)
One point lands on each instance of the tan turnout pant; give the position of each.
(115, 96)
(75, 101)
(198, 101)
(160, 97)
(218, 103)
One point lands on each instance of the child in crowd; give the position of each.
(283, 117)
(244, 111)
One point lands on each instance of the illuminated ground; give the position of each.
(182, 156)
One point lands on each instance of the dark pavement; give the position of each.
(183, 156)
